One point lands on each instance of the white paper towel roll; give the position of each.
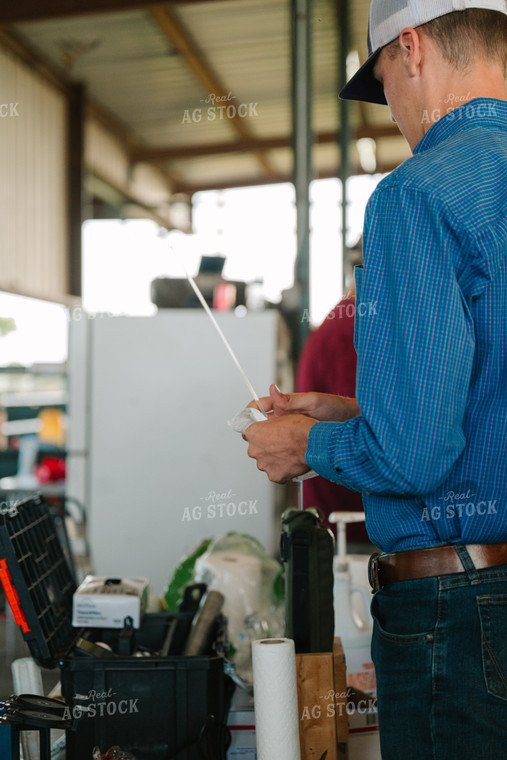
(275, 699)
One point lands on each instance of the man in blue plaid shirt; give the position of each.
(426, 441)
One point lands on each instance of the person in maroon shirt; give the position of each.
(328, 364)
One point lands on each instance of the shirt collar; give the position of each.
(486, 111)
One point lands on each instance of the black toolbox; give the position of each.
(157, 707)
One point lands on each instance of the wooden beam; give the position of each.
(128, 197)
(175, 152)
(249, 181)
(181, 39)
(251, 145)
(39, 10)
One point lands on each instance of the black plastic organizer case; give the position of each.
(158, 708)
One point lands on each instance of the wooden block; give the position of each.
(340, 689)
(317, 723)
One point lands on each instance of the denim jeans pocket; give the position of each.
(398, 627)
(493, 617)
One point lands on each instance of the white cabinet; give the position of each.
(150, 452)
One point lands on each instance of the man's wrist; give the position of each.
(320, 441)
(346, 410)
(306, 426)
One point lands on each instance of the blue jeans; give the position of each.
(440, 652)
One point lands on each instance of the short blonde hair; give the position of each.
(464, 37)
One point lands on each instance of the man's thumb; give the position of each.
(279, 399)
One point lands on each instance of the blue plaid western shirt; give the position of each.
(429, 451)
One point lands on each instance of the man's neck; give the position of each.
(455, 90)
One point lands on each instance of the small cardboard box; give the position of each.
(364, 739)
(106, 602)
(241, 724)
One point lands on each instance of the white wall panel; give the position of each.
(105, 155)
(33, 198)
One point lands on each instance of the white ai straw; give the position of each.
(219, 331)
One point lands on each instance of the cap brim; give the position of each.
(363, 85)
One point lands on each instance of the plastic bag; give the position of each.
(183, 575)
(251, 581)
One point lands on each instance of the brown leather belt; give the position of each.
(384, 569)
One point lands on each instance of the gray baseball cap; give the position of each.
(388, 18)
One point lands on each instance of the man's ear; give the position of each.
(411, 50)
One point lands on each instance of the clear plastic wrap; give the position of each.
(251, 581)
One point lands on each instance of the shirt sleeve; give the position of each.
(415, 345)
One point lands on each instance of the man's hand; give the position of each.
(279, 445)
(318, 406)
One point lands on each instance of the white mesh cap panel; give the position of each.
(389, 17)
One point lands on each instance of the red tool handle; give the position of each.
(12, 596)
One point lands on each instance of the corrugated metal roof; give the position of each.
(133, 69)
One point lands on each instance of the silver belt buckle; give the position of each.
(373, 571)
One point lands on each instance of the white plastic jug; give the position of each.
(353, 622)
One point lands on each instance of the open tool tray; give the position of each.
(37, 580)
(157, 707)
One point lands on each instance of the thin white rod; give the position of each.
(219, 331)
